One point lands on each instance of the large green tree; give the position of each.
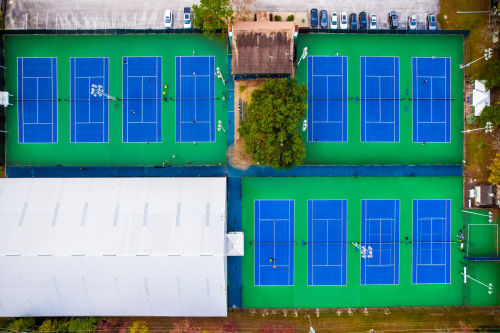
(491, 73)
(213, 16)
(271, 127)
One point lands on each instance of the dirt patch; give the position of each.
(243, 89)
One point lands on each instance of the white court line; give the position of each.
(327, 75)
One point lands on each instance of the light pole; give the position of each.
(487, 129)
(303, 56)
(220, 127)
(487, 55)
(304, 125)
(219, 75)
(489, 216)
(466, 276)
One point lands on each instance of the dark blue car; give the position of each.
(363, 21)
(314, 18)
(353, 21)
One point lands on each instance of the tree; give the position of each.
(489, 114)
(213, 16)
(491, 73)
(84, 324)
(138, 326)
(271, 126)
(21, 325)
(51, 325)
(495, 170)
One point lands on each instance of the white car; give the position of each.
(169, 19)
(334, 23)
(373, 21)
(343, 21)
(412, 22)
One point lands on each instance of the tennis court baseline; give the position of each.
(89, 86)
(431, 99)
(380, 231)
(194, 99)
(274, 242)
(37, 96)
(379, 99)
(327, 101)
(431, 241)
(142, 86)
(326, 242)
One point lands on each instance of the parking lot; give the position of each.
(148, 14)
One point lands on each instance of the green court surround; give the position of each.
(114, 153)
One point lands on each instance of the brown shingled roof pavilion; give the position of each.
(262, 48)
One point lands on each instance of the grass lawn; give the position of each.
(480, 33)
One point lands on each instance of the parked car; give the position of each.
(393, 20)
(314, 18)
(412, 22)
(353, 21)
(431, 22)
(334, 22)
(169, 18)
(187, 18)
(363, 21)
(343, 20)
(373, 21)
(323, 22)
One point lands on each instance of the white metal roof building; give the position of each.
(113, 246)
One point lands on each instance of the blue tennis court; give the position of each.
(142, 87)
(326, 242)
(195, 99)
(431, 241)
(431, 99)
(274, 242)
(37, 97)
(89, 87)
(380, 231)
(327, 101)
(379, 99)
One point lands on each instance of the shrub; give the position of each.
(470, 119)
(277, 17)
(290, 18)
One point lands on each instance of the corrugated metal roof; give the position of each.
(112, 246)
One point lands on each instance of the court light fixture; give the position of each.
(220, 127)
(219, 75)
(487, 129)
(303, 56)
(487, 55)
(467, 276)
